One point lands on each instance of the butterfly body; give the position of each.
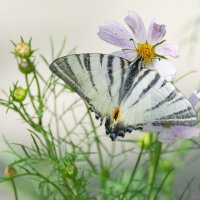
(126, 94)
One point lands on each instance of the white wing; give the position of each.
(125, 94)
(95, 77)
(151, 99)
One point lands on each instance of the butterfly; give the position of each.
(126, 94)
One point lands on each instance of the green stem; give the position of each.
(154, 167)
(40, 129)
(27, 115)
(133, 172)
(30, 95)
(96, 137)
(39, 92)
(56, 122)
(39, 98)
(14, 188)
(184, 75)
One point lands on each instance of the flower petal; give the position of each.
(194, 98)
(164, 68)
(115, 34)
(127, 54)
(151, 128)
(186, 131)
(137, 26)
(156, 33)
(168, 50)
(166, 136)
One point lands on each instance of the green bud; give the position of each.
(166, 164)
(25, 68)
(145, 139)
(9, 171)
(70, 170)
(22, 49)
(19, 94)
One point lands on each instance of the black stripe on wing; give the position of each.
(185, 117)
(169, 98)
(79, 61)
(164, 83)
(101, 58)
(87, 64)
(132, 74)
(110, 72)
(148, 88)
(55, 68)
(123, 71)
(65, 67)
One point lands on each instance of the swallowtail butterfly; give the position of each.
(125, 93)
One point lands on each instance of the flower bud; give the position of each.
(22, 49)
(9, 171)
(25, 67)
(70, 170)
(166, 164)
(19, 94)
(145, 139)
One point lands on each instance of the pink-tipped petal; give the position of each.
(164, 68)
(156, 33)
(137, 26)
(186, 132)
(166, 136)
(168, 50)
(114, 33)
(194, 98)
(127, 54)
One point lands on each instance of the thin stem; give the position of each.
(27, 115)
(154, 168)
(30, 95)
(96, 137)
(162, 183)
(14, 188)
(133, 172)
(39, 98)
(39, 110)
(184, 75)
(56, 121)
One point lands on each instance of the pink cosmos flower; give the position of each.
(149, 45)
(170, 134)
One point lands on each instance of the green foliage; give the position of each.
(72, 160)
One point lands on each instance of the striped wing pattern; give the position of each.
(123, 92)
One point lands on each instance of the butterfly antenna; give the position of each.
(133, 42)
(129, 49)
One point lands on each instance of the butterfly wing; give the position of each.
(95, 77)
(128, 96)
(151, 99)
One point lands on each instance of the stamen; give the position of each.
(146, 51)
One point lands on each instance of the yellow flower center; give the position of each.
(146, 51)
